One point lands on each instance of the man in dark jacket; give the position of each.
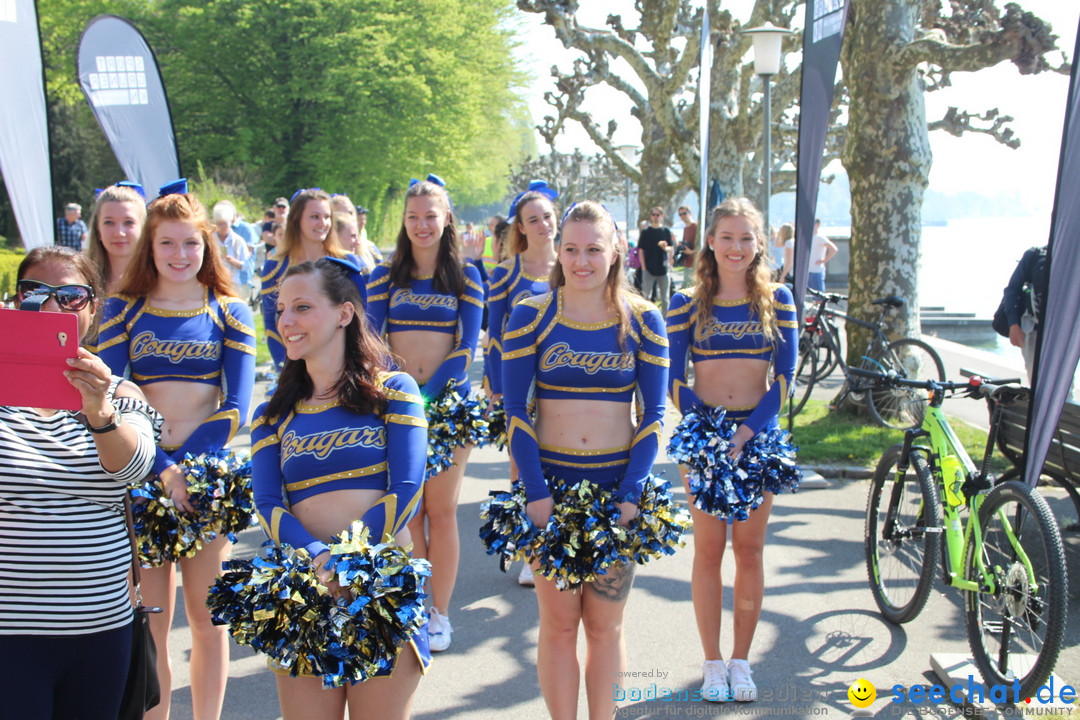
(653, 245)
(1024, 302)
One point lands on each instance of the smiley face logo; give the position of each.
(862, 693)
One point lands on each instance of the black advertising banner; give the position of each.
(24, 132)
(120, 78)
(822, 38)
(1058, 345)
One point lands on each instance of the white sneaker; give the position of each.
(742, 685)
(715, 688)
(439, 630)
(525, 577)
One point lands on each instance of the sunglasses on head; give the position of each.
(68, 297)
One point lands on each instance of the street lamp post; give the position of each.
(767, 56)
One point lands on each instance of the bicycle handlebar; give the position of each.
(828, 297)
(975, 386)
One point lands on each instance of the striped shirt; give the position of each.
(64, 549)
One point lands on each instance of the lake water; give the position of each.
(966, 264)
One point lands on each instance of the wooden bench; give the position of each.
(1062, 464)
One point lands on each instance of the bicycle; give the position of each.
(896, 407)
(1008, 558)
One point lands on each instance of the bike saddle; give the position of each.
(890, 300)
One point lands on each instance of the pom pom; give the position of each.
(453, 421)
(583, 537)
(506, 530)
(219, 487)
(275, 604)
(496, 419)
(730, 490)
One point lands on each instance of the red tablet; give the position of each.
(34, 348)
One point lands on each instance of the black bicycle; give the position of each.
(896, 406)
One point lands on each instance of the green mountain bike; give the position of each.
(1007, 557)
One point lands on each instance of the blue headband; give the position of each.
(176, 187)
(295, 194)
(535, 186)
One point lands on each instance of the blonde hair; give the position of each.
(758, 275)
(617, 288)
(95, 249)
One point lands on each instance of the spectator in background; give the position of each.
(822, 251)
(1024, 301)
(493, 254)
(281, 213)
(653, 245)
(687, 248)
(783, 265)
(234, 251)
(71, 231)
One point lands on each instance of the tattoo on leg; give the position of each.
(615, 585)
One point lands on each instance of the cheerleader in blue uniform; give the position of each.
(531, 242)
(181, 333)
(740, 331)
(309, 235)
(427, 302)
(584, 350)
(342, 439)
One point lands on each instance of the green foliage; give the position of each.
(9, 264)
(829, 437)
(354, 96)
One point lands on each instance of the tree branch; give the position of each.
(957, 122)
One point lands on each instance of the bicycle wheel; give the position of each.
(903, 535)
(828, 355)
(899, 407)
(1017, 631)
(803, 381)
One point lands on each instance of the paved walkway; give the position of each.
(819, 630)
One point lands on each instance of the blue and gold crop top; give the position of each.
(733, 332)
(509, 285)
(213, 345)
(552, 357)
(421, 307)
(322, 448)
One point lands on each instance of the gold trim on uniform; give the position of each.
(312, 482)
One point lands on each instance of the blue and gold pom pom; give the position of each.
(219, 487)
(583, 537)
(453, 421)
(276, 604)
(496, 418)
(730, 489)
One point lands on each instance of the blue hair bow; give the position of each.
(535, 186)
(176, 187)
(295, 194)
(431, 178)
(356, 273)
(139, 188)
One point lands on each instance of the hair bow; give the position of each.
(356, 273)
(176, 187)
(431, 178)
(139, 188)
(535, 186)
(295, 194)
